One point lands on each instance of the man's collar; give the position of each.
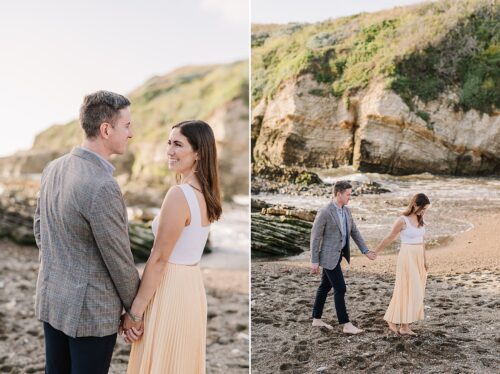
(335, 204)
(94, 157)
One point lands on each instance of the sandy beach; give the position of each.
(460, 332)
(21, 335)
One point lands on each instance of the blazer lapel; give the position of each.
(349, 220)
(335, 217)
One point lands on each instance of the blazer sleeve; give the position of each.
(317, 232)
(356, 236)
(36, 224)
(109, 224)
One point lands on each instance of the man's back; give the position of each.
(87, 272)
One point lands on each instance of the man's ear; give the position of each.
(104, 129)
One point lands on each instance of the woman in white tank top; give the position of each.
(171, 298)
(407, 302)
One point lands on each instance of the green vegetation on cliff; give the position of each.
(420, 52)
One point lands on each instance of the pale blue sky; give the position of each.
(55, 52)
(284, 11)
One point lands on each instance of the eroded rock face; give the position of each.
(303, 129)
(374, 131)
(26, 162)
(230, 125)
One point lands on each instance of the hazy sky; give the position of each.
(55, 52)
(284, 11)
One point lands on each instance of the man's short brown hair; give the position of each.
(340, 186)
(99, 107)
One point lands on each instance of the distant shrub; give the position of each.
(481, 88)
(318, 92)
(322, 40)
(424, 115)
(257, 39)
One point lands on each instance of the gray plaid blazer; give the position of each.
(87, 273)
(326, 237)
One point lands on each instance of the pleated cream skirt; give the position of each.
(407, 302)
(175, 324)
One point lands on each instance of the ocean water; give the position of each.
(452, 199)
(230, 238)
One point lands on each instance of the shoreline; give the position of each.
(478, 233)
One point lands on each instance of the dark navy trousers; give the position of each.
(332, 279)
(65, 355)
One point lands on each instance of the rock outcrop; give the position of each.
(374, 131)
(279, 230)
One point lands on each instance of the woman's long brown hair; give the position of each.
(417, 203)
(201, 137)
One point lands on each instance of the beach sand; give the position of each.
(21, 335)
(460, 332)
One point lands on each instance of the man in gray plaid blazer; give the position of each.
(87, 273)
(330, 234)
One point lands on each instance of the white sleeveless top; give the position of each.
(412, 234)
(190, 245)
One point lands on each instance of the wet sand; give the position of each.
(21, 335)
(460, 332)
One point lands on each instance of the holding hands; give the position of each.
(131, 327)
(371, 255)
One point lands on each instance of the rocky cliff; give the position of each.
(408, 90)
(217, 94)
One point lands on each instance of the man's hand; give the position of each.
(130, 330)
(315, 268)
(371, 255)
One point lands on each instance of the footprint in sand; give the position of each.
(303, 302)
(287, 366)
(493, 305)
(323, 341)
(300, 346)
(266, 321)
(284, 349)
(401, 364)
(301, 351)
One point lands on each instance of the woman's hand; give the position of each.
(130, 330)
(133, 334)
